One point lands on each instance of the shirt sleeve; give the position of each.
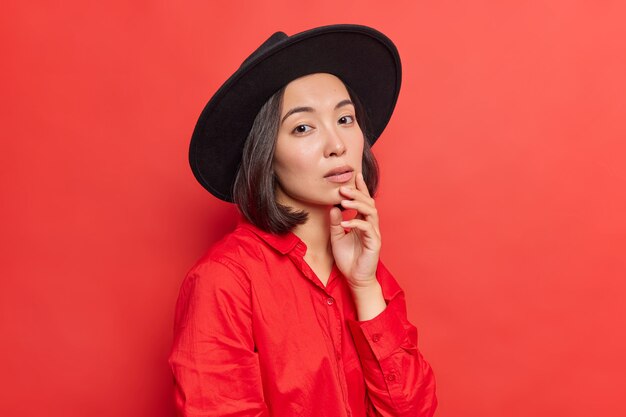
(399, 381)
(213, 359)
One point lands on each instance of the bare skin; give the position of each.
(318, 164)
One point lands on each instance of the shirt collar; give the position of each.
(284, 243)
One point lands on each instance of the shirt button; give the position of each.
(330, 301)
(375, 338)
(391, 377)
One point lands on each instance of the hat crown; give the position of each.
(276, 38)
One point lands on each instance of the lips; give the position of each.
(340, 174)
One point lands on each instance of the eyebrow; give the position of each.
(342, 103)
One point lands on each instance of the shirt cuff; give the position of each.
(380, 336)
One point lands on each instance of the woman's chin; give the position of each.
(336, 200)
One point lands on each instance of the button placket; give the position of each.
(335, 327)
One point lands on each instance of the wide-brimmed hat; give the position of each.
(363, 58)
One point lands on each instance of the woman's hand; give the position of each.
(356, 252)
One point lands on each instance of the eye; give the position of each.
(346, 120)
(300, 129)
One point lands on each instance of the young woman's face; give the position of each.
(319, 147)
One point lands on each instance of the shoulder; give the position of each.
(220, 270)
(232, 255)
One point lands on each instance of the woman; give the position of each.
(293, 314)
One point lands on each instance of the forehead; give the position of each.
(313, 89)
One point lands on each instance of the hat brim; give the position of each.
(362, 57)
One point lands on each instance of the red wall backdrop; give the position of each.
(503, 199)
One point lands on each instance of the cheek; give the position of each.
(360, 148)
(293, 159)
(357, 154)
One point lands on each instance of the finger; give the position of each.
(336, 229)
(361, 207)
(361, 185)
(366, 212)
(356, 195)
(372, 238)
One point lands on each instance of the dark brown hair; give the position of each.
(254, 190)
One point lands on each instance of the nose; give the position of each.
(335, 145)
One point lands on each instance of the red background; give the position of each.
(503, 198)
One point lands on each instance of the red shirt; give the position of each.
(258, 334)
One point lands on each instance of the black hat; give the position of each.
(363, 58)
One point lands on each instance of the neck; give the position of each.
(315, 233)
